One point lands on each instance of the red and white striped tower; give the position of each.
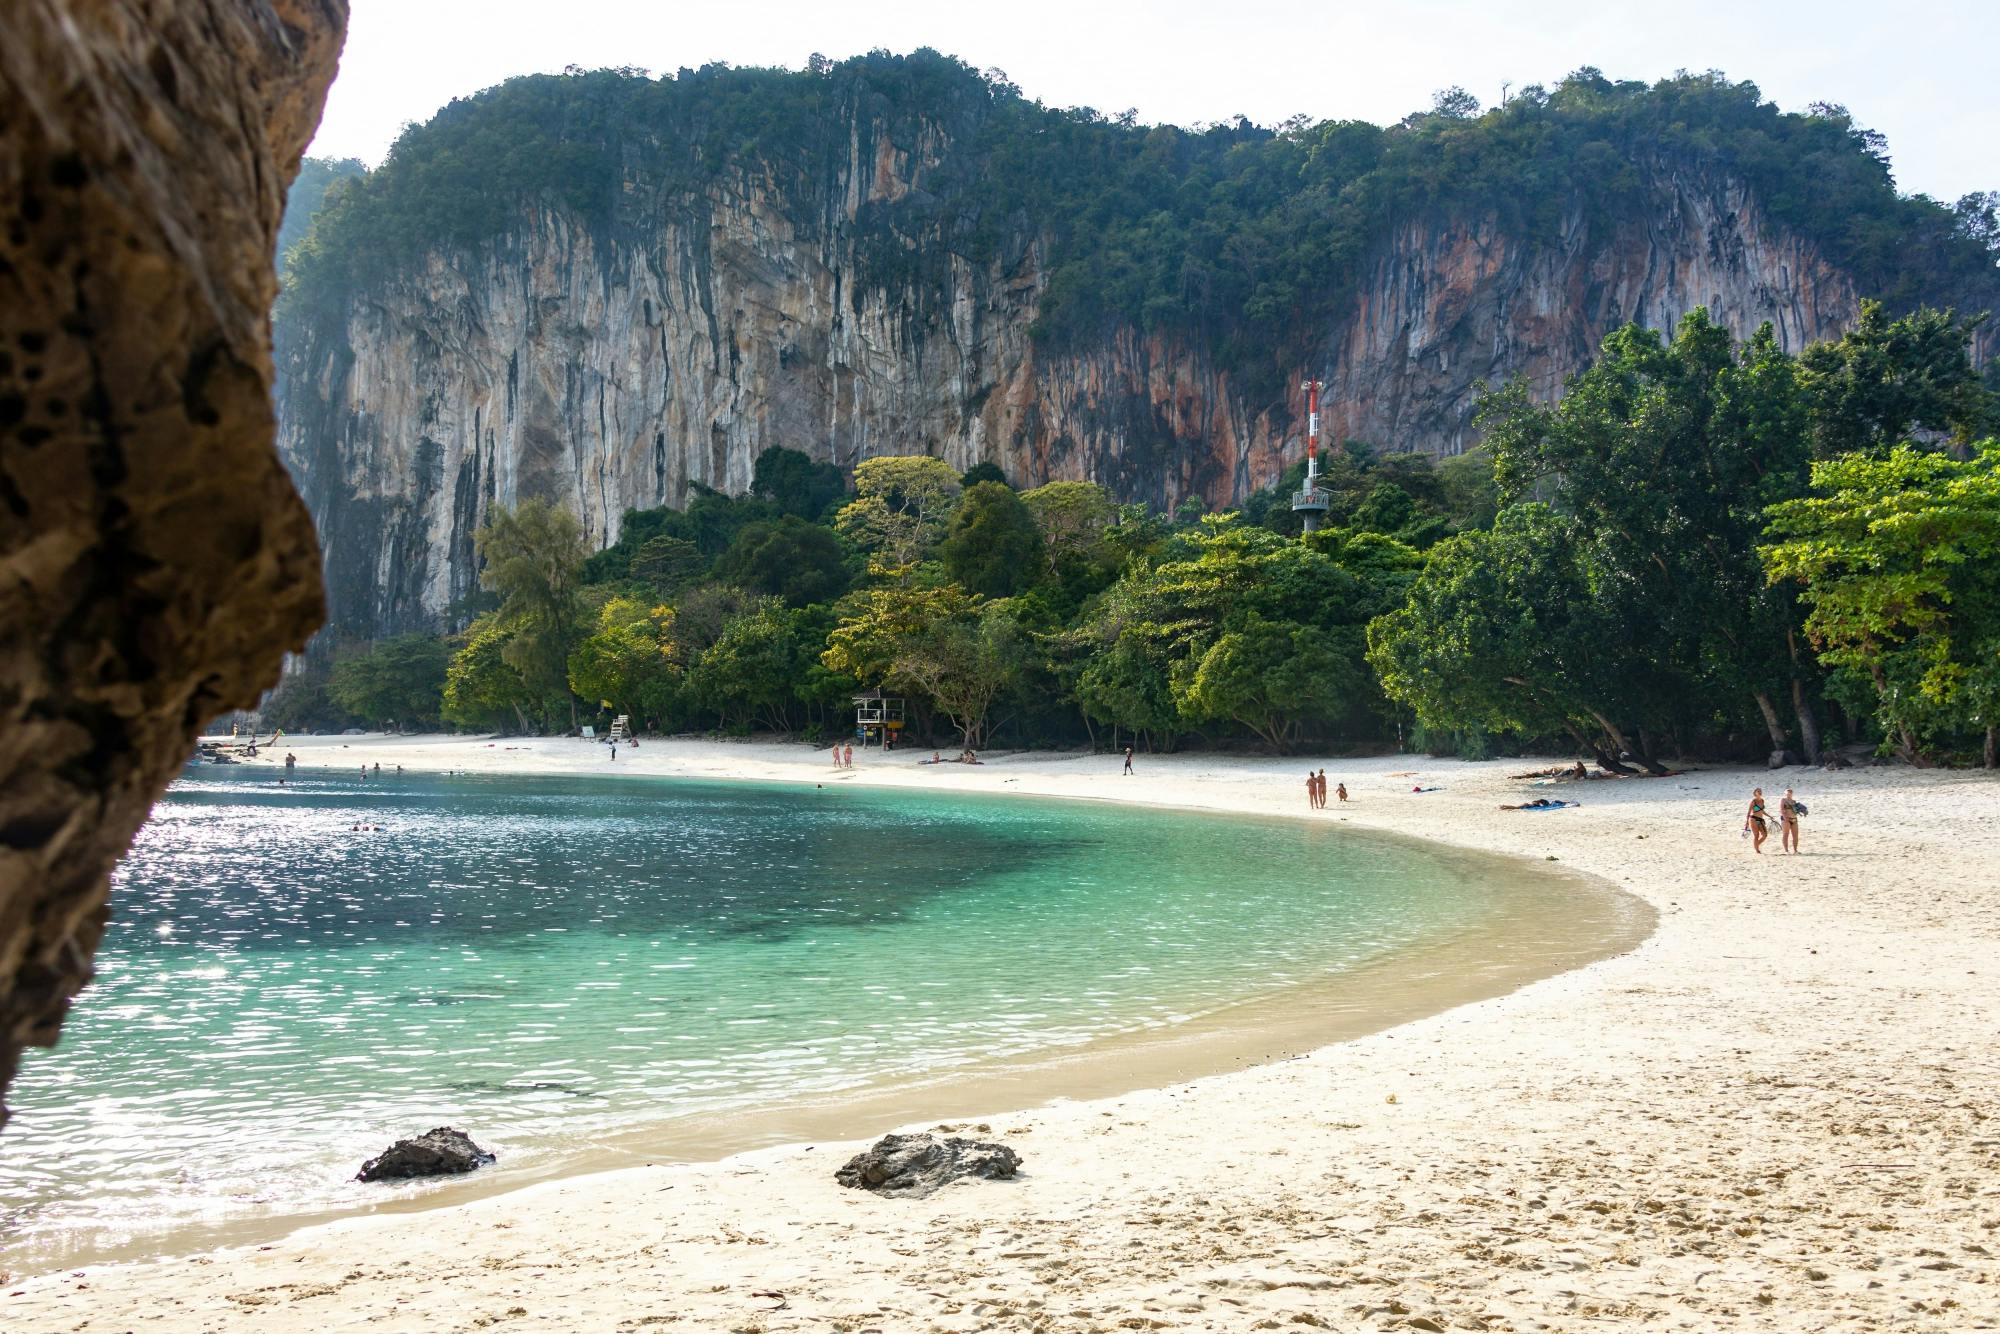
(1309, 504)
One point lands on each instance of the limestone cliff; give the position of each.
(155, 562)
(609, 366)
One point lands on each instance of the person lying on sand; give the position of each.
(1421, 788)
(1539, 804)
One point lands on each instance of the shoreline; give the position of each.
(1542, 921)
(1596, 1029)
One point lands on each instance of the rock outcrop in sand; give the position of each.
(913, 1166)
(442, 1152)
(155, 562)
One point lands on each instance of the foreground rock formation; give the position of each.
(913, 1166)
(155, 562)
(442, 1152)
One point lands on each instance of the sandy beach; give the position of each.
(1780, 1111)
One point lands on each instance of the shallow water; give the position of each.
(549, 962)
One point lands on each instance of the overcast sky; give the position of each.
(1920, 71)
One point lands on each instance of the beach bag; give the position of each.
(1798, 807)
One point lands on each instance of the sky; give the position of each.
(1918, 71)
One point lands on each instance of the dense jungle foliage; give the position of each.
(1700, 548)
(1237, 235)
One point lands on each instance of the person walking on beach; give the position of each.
(1788, 823)
(1322, 789)
(1128, 759)
(849, 762)
(1312, 790)
(1756, 820)
(836, 755)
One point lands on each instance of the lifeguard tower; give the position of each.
(1310, 503)
(878, 718)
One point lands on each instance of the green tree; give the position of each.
(1273, 678)
(901, 506)
(795, 484)
(753, 673)
(1073, 518)
(398, 681)
(1503, 632)
(668, 565)
(963, 663)
(316, 176)
(533, 555)
(994, 548)
(876, 624)
(1897, 558)
(1130, 685)
(799, 562)
(1664, 456)
(630, 664)
(482, 689)
(1886, 380)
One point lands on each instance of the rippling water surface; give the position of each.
(547, 960)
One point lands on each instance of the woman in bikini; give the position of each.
(1757, 821)
(1788, 823)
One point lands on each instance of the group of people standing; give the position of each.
(1757, 821)
(843, 760)
(1316, 790)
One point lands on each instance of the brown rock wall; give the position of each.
(155, 562)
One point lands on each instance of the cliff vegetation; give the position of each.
(1238, 235)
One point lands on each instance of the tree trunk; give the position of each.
(1648, 757)
(1906, 741)
(1808, 723)
(1993, 747)
(1781, 747)
(1619, 746)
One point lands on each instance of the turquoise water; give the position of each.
(546, 961)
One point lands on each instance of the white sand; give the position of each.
(1782, 1111)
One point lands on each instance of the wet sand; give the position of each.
(1771, 1114)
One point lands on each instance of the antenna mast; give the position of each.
(1310, 504)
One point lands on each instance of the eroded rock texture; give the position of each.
(155, 563)
(440, 1152)
(914, 1166)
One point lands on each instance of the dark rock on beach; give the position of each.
(913, 1166)
(435, 1153)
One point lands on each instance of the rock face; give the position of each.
(913, 1166)
(610, 367)
(441, 1152)
(155, 562)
